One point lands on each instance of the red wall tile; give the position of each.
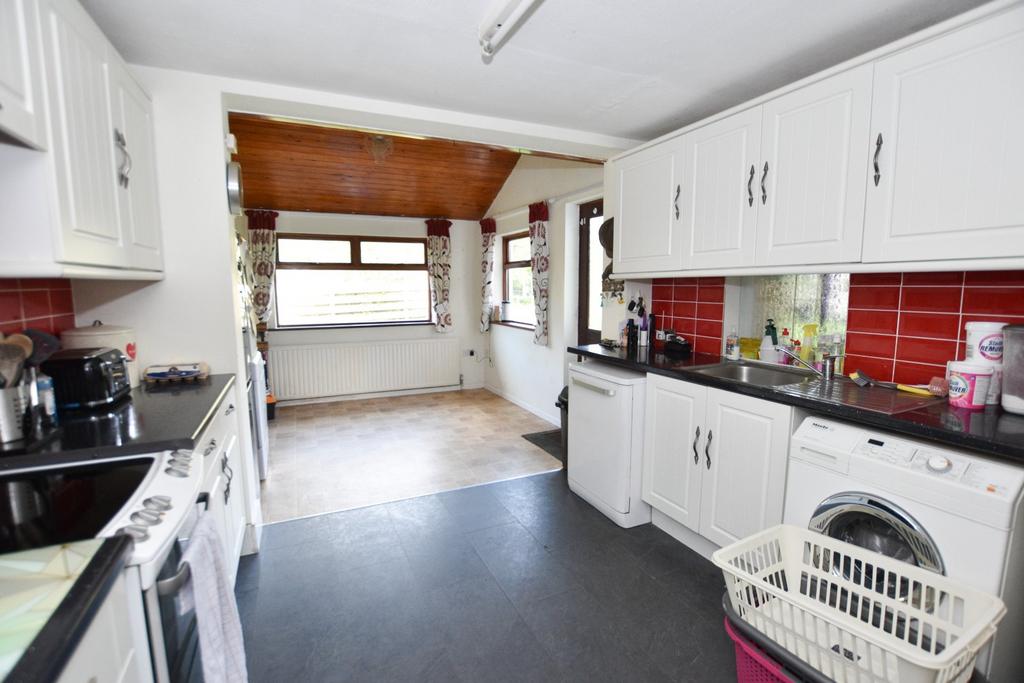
(43, 303)
(692, 307)
(927, 325)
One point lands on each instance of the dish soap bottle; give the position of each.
(732, 345)
(770, 331)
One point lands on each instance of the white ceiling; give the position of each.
(635, 69)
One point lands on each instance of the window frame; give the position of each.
(355, 258)
(584, 333)
(506, 265)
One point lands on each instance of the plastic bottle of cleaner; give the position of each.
(732, 345)
(770, 331)
(809, 342)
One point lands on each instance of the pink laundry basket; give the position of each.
(753, 665)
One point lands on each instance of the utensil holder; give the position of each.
(14, 401)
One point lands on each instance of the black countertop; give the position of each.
(155, 417)
(50, 650)
(991, 431)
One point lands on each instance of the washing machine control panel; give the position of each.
(889, 450)
(971, 472)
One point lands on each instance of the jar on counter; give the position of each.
(1013, 369)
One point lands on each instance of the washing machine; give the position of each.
(950, 511)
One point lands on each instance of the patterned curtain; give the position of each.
(539, 261)
(439, 265)
(263, 253)
(487, 238)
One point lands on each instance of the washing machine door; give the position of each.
(872, 522)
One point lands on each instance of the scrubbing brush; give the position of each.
(862, 379)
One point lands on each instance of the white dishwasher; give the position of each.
(606, 440)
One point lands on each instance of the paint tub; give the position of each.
(985, 342)
(968, 384)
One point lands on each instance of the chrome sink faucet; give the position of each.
(828, 364)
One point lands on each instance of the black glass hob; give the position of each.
(50, 506)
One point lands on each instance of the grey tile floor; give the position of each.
(514, 581)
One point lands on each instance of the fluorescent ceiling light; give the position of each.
(501, 21)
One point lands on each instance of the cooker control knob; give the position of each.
(180, 464)
(146, 517)
(177, 472)
(136, 532)
(158, 503)
(939, 463)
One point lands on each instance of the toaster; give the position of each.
(88, 378)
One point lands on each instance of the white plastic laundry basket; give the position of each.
(853, 614)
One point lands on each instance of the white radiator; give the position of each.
(319, 370)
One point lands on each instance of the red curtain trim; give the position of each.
(261, 219)
(488, 225)
(438, 227)
(538, 212)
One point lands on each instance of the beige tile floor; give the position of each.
(337, 456)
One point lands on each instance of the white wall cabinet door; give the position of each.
(811, 184)
(135, 169)
(21, 113)
(672, 434)
(946, 117)
(643, 194)
(744, 465)
(720, 164)
(82, 135)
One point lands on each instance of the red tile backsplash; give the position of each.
(904, 326)
(692, 307)
(42, 303)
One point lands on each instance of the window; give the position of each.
(335, 281)
(592, 264)
(518, 278)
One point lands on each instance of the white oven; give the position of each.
(155, 499)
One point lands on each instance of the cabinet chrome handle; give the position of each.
(707, 448)
(593, 387)
(878, 150)
(676, 200)
(696, 436)
(210, 447)
(764, 192)
(750, 192)
(231, 409)
(126, 167)
(229, 473)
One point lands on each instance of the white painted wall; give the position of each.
(519, 370)
(465, 290)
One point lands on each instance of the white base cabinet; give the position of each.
(714, 460)
(219, 447)
(109, 651)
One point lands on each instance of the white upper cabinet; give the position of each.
(720, 176)
(138, 212)
(947, 133)
(744, 460)
(87, 205)
(21, 113)
(811, 181)
(642, 192)
(673, 417)
(82, 133)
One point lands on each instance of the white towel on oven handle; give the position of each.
(209, 592)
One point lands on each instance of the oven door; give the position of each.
(173, 635)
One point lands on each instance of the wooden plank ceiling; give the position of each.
(295, 166)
